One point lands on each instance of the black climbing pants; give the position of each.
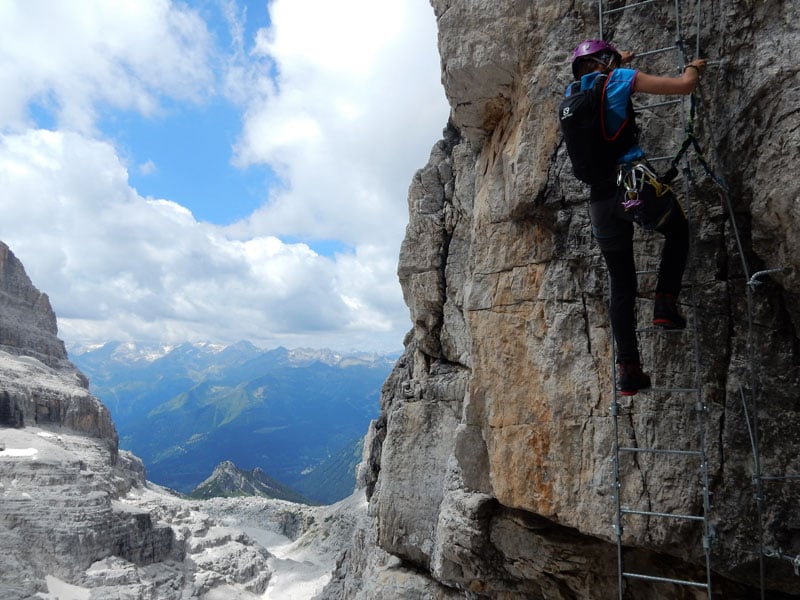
(612, 227)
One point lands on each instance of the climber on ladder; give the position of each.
(600, 131)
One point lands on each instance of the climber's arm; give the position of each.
(685, 84)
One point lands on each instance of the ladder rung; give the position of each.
(656, 104)
(686, 284)
(661, 330)
(657, 51)
(674, 390)
(665, 579)
(661, 451)
(616, 10)
(647, 513)
(668, 390)
(659, 158)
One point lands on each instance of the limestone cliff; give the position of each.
(489, 471)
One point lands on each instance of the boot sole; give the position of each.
(667, 324)
(633, 392)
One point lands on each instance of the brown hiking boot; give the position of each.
(631, 378)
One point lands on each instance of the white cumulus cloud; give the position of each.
(72, 57)
(353, 112)
(342, 100)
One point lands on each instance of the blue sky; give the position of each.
(217, 170)
(185, 154)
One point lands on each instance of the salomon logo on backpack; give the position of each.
(593, 155)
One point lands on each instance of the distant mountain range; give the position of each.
(299, 415)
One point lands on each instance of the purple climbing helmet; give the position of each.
(590, 48)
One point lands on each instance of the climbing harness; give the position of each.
(644, 190)
(633, 177)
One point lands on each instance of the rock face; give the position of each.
(60, 512)
(29, 323)
(39, 386)
(34, 394)
(489, 471)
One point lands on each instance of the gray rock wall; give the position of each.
(489, 469)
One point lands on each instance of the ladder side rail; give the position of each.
(701, 407)
(617, 525)
(615, 459)
(600, 19)
(617, 449)
(757, 477)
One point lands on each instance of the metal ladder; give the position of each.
(698, 452)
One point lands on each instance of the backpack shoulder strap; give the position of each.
(629, 115)
(573, 87)
(600, 82)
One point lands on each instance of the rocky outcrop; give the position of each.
(75, 513)
(488, 470)
(59, 512)
(29, 323)
(38, 384)
(33, 394)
